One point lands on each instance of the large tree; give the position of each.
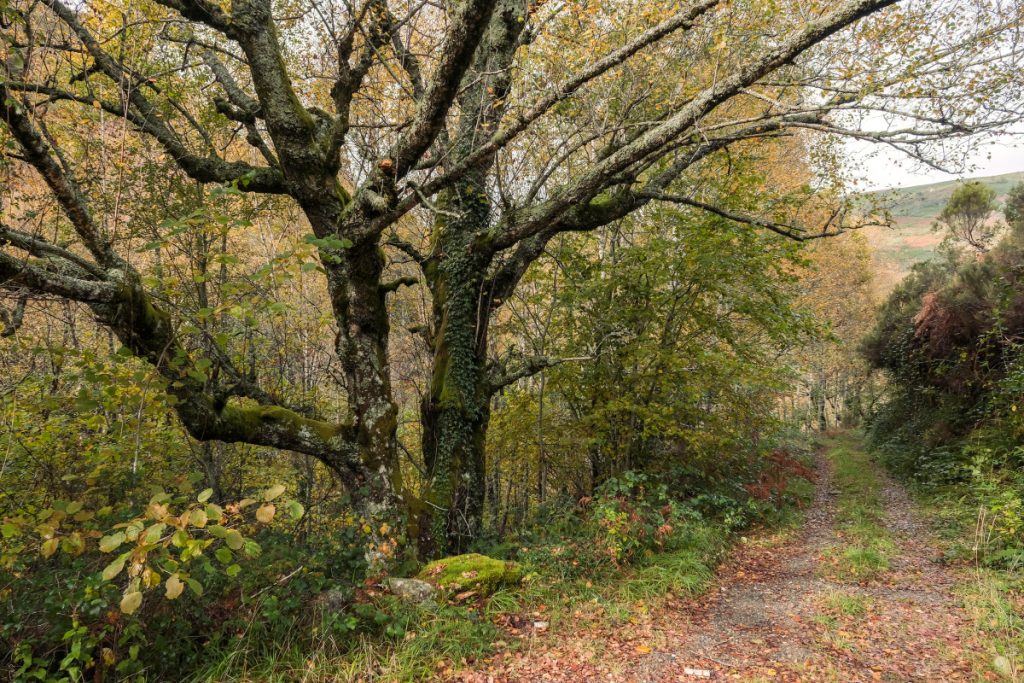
(497, 124)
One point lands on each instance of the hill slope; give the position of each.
(915, 210)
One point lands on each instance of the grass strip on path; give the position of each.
(867, 545)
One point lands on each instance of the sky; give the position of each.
(879, 167)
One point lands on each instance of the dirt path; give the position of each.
(779, 612)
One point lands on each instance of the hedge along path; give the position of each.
(786, 607)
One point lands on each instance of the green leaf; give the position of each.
(224, 555)
(109, 544)
(295, 509)
(204, 495)
(234, 540)
(233, 570)
(154, 533)
(131, 602)
(217, 531)
(73, 507)
(196, 587)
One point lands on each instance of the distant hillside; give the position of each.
(915, 210)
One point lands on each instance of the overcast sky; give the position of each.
(878, 167)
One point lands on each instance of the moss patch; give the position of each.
(471, 572)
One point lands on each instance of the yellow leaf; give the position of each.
(643, 649)
(265, 513)
(273, 492)
(131, 602)
(198, 518)
(48, 548)
(174, 586)
(113, 569)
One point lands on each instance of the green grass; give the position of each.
(860, 515)
(928, 200)
(846, 604)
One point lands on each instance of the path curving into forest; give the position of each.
(787, 608)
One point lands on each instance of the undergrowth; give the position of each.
(630, 547)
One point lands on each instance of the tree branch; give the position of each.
(666, 135)
(531, 366)
(501, 138)
(788, 231)
(64, 188)
(12, 320)
(149, 119)
(17, 274)
(467, 27)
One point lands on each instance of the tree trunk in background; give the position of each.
(820, 404)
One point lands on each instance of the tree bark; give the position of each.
(455, 410)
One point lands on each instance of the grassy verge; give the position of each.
(867, 544)
(992, 592)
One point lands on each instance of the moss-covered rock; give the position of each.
(471, 572)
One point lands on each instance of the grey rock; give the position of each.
(411, 590)
(331, 601)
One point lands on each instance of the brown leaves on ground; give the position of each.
(774, 615)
